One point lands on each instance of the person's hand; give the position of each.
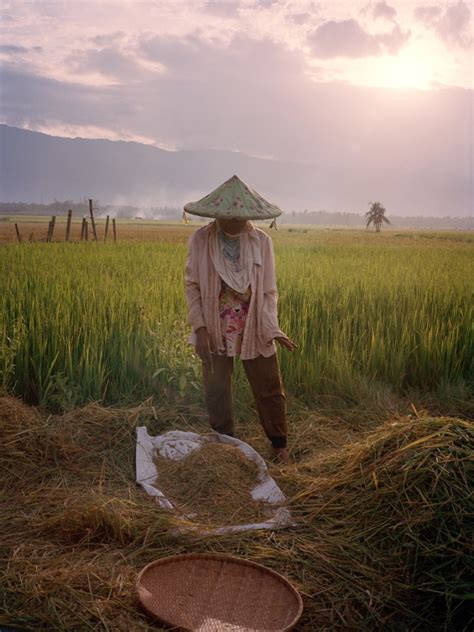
(284, 341)
(203, 345)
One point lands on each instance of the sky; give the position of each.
(296, 80)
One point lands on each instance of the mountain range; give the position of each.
(36, 167)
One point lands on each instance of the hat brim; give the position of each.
(233, 200)
(230, 215)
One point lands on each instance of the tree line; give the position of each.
(321, 217)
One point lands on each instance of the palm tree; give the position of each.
(376, 215)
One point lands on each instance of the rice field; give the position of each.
(381, 391)
(375, 317)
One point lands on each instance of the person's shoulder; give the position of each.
(200, 234)
(261, 234)
(264, 239)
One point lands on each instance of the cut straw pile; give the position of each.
(212, 485)
(383, 540)
(396, 512)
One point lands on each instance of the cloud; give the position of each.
(64, 130)
(394, 40)
(12, 50)
(106, 39)
(342, 39)
(242, 58)
(264, 4)
(347, 39)
(254, 96)
(108, 61)
(299, 18)
(383, 10)
(179, 54)
(227, 9)
(427, 15)
(453, 25)
(206, 99)
(192, 79)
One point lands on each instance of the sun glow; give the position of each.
(405, 70)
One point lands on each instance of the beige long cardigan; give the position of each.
(202, 295)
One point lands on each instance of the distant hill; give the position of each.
(35, 167)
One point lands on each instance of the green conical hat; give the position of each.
(234, 198)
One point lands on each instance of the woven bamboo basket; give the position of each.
(217, 593)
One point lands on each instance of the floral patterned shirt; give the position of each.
(203, 285)
(233, 310)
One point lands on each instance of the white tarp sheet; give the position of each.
(177, 444)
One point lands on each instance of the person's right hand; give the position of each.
(284, 341)
(203, 345)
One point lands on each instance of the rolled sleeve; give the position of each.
(270, 326)
(192, 286)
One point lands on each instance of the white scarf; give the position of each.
(237, 275)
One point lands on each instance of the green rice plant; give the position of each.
(368, 317)
(87, 321)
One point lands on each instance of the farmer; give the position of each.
(232, 306)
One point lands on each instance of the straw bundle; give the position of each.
(382, 544)
(399, 506)
(212, 485)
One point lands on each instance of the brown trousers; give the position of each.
(265, 381)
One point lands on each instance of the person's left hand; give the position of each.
(284, 341)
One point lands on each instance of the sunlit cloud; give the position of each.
(108, 35)
(452, 24)
(256, 77)
(383, 10)
(63, 130)
(342, 39)
(348, 39)
(394, 40)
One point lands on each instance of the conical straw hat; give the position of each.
(234, 198)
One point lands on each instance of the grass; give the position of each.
(377, 318)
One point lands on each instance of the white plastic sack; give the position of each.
(177, 444)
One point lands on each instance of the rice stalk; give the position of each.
(383, 537)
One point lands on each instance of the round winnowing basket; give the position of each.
(217, 593)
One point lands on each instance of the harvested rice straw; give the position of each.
(212, 485)
(383, 543)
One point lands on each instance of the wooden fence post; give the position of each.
(83, 229)
(92, 220)
(86, 230)
(68, 225)
(51, 225)
(106, 228)
(18, 236)
(114, 229)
